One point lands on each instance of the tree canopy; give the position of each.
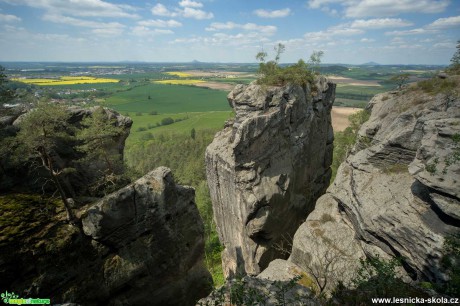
(271, 73)
(6, 94)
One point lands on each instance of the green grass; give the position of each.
(198, 121)
(168, 99)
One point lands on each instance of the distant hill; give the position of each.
(371, 64)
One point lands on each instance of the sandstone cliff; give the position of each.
(396, 195)
(266, 169)
(142, 245)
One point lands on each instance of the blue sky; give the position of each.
(348, 31)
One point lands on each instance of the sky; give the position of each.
(348, 31)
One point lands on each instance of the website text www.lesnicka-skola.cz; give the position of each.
(416, 300)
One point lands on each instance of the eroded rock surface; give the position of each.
(397, 194)
(266, 169)
(142, 245)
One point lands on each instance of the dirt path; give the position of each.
(340, 117)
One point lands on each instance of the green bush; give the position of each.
(376, 278)
(271, 73)
(167, 121)
(436, 85)
(451, 265)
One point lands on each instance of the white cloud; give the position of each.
(332, 33)
(382, 8)
(418, 31)
(145, 31)
(316, 4)
(365, 40)
(9, 18)
(443, 23)
(190, 3)
(108, 31)
(444, 45)
(158, 23)
(224, 39)
(161, 10)
(81, 8)
(81, 22)
(380, 23)
(187, 12)
(273, 14)
(267, 30)
(393, 7)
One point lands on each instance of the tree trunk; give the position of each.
(48, 163)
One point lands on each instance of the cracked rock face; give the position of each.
(397, 194)
(266, 169)
(153, 234)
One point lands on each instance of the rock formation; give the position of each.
(142, 245)
(398, 192)
(18, 176)
(266, 169)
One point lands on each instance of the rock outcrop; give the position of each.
(267, 168)
(398, 192)
(142, 245)
(17, 176)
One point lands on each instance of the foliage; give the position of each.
(167, 121)
(400, 79)
(42, 132)
(455, 60)
(98, 134)
(315, 59)
(185, 157)
(252, 291)
(436, 86)
(451, 264)
(6, 94)
(375, 278)
(271, 73)
(344, 141)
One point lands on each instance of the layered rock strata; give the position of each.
(398, 192)
(267, 168)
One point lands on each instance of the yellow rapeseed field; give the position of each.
(67, 80)
(179, 82)
(179, 74)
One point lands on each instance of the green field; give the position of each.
(168, 99)
(195, 120)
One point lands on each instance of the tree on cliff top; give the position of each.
(98, 135)
(455, 60)
(6, 94)
(271, 73)
(42, 131)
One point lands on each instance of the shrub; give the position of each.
(272, 74)
(450, 262)
(141, 129)
(167, 121)
(147, 136)
(138, 114)
(153, 113)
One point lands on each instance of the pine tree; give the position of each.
(42, 131)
